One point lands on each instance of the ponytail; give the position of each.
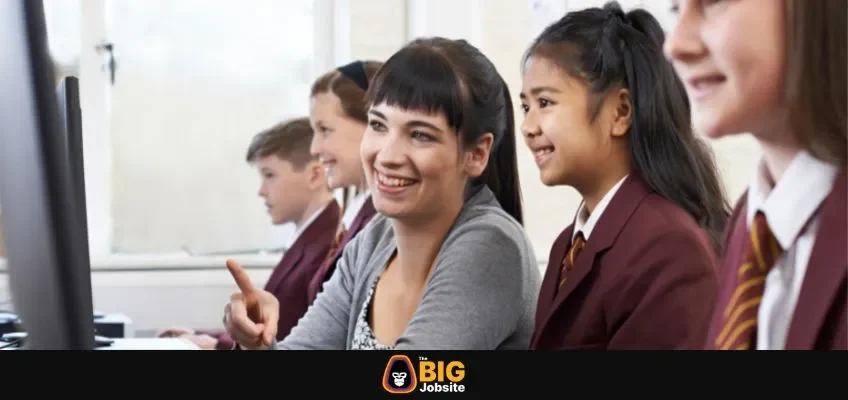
(501, 174)
(618, 49)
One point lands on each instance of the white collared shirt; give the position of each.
(355, 205)
(788, 207)
(299, 230)
(586, 222)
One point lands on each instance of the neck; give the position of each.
(317, 202)
(419, 242)
(598, 188)
(777, 157)
(779, 146)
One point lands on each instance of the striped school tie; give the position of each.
(337, 241)
(739, 325)
(568, 262)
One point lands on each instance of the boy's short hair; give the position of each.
(290, 140)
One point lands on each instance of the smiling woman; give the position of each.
(447, 264)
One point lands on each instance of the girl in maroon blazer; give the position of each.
(339, 116)
(776, 70)
(605, 114)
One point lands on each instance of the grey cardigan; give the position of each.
(481, 295)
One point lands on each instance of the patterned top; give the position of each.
(363, 336)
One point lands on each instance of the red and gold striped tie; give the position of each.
(568, 262)
(337, 241)
(739, 325)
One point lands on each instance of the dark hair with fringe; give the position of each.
(610, 49)
(452, 77)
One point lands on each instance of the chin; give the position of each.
(713, 125)
(550, 179)
(384, 208)
(390, 209)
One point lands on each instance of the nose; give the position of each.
(392, 151)
(315, 145)
(530, 125)
(683, 42)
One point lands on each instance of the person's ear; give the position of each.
(316, 176)
(622, 112)
(477, 157)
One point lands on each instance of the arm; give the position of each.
(474, 299)
(225, 342)
(665, 298)
(324, 326)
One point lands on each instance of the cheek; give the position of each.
(567, 130)
(436, 166)
(367, 149)
(750, 53)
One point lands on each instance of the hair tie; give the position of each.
(355, 71)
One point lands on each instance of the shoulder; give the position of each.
(659, 217)
(489, 226)
(661, 229)
(488, 245)
(375, 237)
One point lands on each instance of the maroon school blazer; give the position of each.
(820, 321)
(646, 279)
(329, 266)
(290, 280)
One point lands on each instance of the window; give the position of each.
(194, 80)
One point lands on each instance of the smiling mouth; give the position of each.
(702, 86)
(393, 182)
(542, 154)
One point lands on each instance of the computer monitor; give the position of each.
(45, 248)
(68, 96)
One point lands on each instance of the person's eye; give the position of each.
(377, 126)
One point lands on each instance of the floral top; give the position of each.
(363, 337)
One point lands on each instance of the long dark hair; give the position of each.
(454, 78)
(609, 48)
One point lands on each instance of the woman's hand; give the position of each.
(252, 314)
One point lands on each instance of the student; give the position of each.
(776, 70)
(295, 190)
(446, 264)
(605, 115)
(338, 114)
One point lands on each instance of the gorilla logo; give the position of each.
(399, 376)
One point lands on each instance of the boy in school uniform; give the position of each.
(294, 188)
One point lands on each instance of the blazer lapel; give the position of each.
(551, 279)
(618, 211)
(825, 272)
(362, 218)
(290, 259)
(313, 237)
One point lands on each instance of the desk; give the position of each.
(141, 344)
(151, 344)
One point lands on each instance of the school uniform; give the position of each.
(783, 280)
(356, 217)
(638, 273)
(289, 282)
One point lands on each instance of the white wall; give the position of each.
(161, 189)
